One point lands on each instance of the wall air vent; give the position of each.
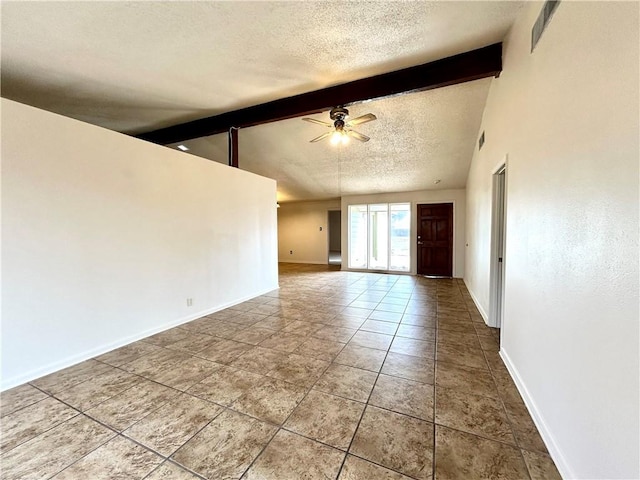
(481, 141)
(542, 21)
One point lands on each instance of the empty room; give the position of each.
(320, 240)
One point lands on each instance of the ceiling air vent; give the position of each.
(542, 21)
(481, 141)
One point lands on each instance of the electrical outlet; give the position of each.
(189, 302)
(290, 252)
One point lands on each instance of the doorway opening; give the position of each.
(435, 239)
(498, 232)
(335, 237)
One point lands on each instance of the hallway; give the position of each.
(338, 375)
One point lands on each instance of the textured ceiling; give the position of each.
(417, 139)
(138, 66)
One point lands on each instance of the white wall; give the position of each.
(106, 236)
(299, 231)
(457, 197)
(567, 116)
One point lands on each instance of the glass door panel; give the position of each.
(399, 237)
(358, 236)
(378, 236)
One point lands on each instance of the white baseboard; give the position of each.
(483, 314)
(94, 352)
(545, 432)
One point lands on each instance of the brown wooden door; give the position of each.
(435, 239)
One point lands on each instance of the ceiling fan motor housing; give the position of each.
(339, 113)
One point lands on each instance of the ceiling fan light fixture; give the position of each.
(336, 137)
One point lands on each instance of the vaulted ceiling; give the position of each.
(139, 66)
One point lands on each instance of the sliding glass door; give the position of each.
(379, 236)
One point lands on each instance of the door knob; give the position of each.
(419, 242)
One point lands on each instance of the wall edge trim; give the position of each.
(547, 437)
(480, 308)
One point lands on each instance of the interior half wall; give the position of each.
(105, 237)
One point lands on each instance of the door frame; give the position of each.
(414, 243)
(498, 227)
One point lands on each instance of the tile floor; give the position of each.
(337, 375)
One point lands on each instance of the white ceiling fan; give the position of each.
(341, 127)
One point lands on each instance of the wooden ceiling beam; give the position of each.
(480, 63)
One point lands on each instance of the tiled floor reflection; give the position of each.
(336, 375)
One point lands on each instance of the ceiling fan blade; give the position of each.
(360, 120)
(319, 122)
(357, 136)
(321, 137)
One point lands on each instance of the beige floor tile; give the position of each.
(155, 362)
(259, 360)
(171, 471)
(59, 381)
(391, 307)
(226, 447)
(417, 332)
(462, 455)
(225, 385)
(489, 343)
(378, 341)
(96, 390)
(540, 466)
(465, 379)
(349, 382)
(340, 334)
(427, 321)
(193, 343)
(118, 459)
(404, 396)
(378, 326)
(458, 338)
(357, 312)
(326, 418)
(169, 427)
(346, 321)
(272, 400)
(299, 370)
(411, 346)
(292, 457)
(225, 351)
(395, 441)
(253, 335)
(283, 341)
(128, 353)
(29, 422)
(361, 357)
(355, 468)
(185, 373)
(19, 397)
(386, 316)
(462, 355)
(123, 410)
(325, 350)
(409, 367)
(304, 328)
(49, 453)
(475, 414)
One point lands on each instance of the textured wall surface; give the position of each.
(567, 116)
